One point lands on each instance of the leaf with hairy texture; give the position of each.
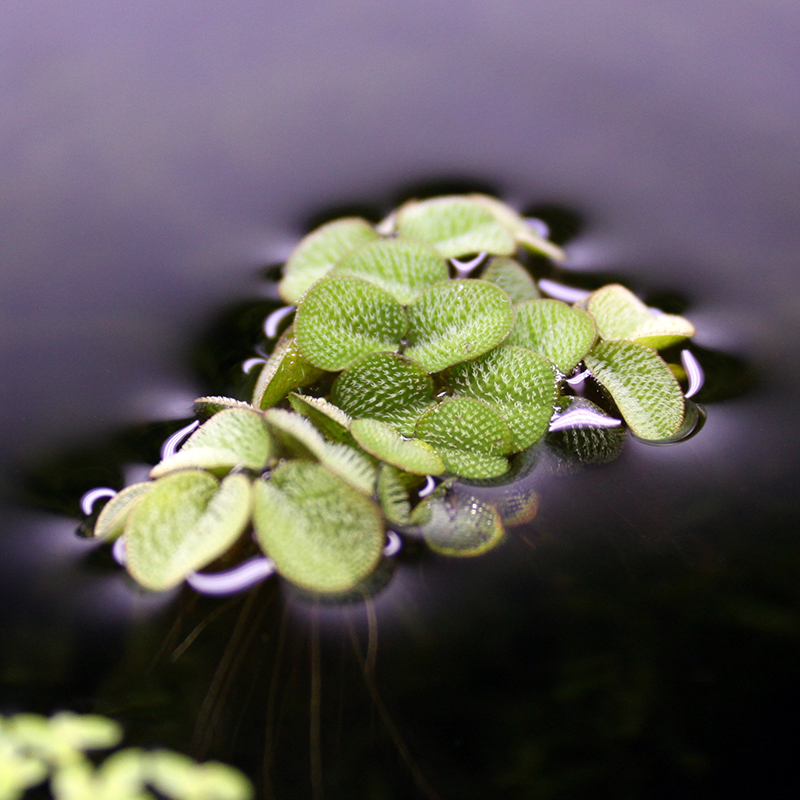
(592, 439)
(342, 319)
(328, 419)
(516, 225)
(403, 267)
(644, 389)
(385, 386)
(454, 522)
(114, 514)
(206, 407)
(386, 444)
(284, 371)
(620, 314)
(323, 535)
(457, 320)
(469, 435)
(235, 437)
(512, 278)
(305, 441)
(517, 383)
(393, 495)
(562, 334)
(317, 253)
(455, 226)
(184, 522)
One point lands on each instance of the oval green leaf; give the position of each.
(403, 267)
(114, 514)
(386, 444)
(455, 226)
(620, 314)
(206, 407)
(457, 320)
(184, 522)
(385, 386)
(517, 383)
(317, 253)
(642, 385)
(560, 333)
(284, 371)
(512, 278)
(469, 435)
(342, 319)
(328, 419)
(393, 495)
(322, 534)
(235, 437)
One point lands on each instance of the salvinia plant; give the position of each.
(398, 371)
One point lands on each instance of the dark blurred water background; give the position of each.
(641, 637)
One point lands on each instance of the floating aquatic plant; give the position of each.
(399, 372)
(35, 749)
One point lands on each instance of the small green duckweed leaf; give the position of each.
(183, 523)
(619, 314)
(284, 371)
(342, 319)
(393, 495)
(517, 383)
(456, 523)
(114, 514)
(318, 252)
(18, 772)
(322, 534)
(385, 386)
(457, 320)
(562, 334)
(235, 437)
(305, 441)
(403, 267)
(515, 224)
(386, 444)
(206, 407)
(587, 443)
(469, 435)
(328, 419)
(455, 226)
(85, 731)
(512, 278)
(179, 777)
(644, 389)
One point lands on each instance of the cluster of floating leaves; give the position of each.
(393, 372)
(36, 749)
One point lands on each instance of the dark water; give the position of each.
(641, 637)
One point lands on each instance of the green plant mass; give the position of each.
(399, 368)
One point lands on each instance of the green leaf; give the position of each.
(512, 278)
(516, 225)
(206, 407)
(305, 441)
(285, 370)
(586, 443)
(455, 226)
(387, 387)
(386, 444)
(403, 267)
(235, 437)
(393, 495)
(644, 389)
(469, 435)
(318, 252)
(342, 319)
(322, 534)
(85, 731)
(562, 334)
(328, 419)
(457, 320)
(619, 314)
(114, 514)
(456, 523)
(183, 523)
(178, 776)
(517, 383)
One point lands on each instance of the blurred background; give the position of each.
(641, 637)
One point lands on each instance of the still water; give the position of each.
(641, 636)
